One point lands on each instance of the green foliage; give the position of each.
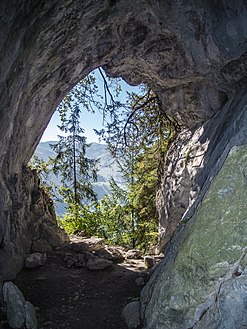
(41, 167)
(107, 219)
(115, 224)
(138, 135)
(138, 138)
(127, 215)
(142, 196)
(79, 218)
(43, 170)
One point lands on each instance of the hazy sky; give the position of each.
(89, 121)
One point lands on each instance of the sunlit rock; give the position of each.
(210, 260)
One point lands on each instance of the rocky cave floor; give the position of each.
(70, 295)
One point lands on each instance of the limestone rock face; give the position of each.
(31, 218)
(202, 281)
(15, 304)
(20, 312)
(193, 54)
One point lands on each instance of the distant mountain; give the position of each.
(107, 168)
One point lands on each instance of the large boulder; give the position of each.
(94, 243)
(201, 283)
(80, 244)
(111, 253)
(20, 313)
(15, 305)
(97, 264)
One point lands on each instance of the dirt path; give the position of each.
(77, 298)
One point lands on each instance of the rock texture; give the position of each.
(131, 314)
(31, 219)
(94, 254)
(192, 53)
(202, 282)
(35, 259)
(20, 312)
(96, 264)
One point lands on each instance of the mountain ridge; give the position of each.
(107, 168)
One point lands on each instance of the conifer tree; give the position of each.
(77, 172)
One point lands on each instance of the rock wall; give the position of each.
(202, 280)
(192, 53)
(31, 222)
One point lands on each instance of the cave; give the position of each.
(193, 55)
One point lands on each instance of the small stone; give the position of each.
(98, 264)
(70, 262)
(31, 321)
(149, 262)
(35, 259)
(79, 246)
(140, 282)
(88, 255)
(75, 260)
(94, 243)
(131, 314)
(134, 254)
(80, 264)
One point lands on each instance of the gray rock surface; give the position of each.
(111, 253)
(194, 285)
(20, 312)
(134, 254)
(231, 303)
(192, 54)
(94, 243)
(15, 304)
(34, 219)
(31, 321)
(140, 282)
(131, 314)
(97, 264)
(35, 259)
(41, 245)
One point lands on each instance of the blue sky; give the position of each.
(89, 121)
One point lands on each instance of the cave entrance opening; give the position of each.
(122, 125)
(73, 273)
